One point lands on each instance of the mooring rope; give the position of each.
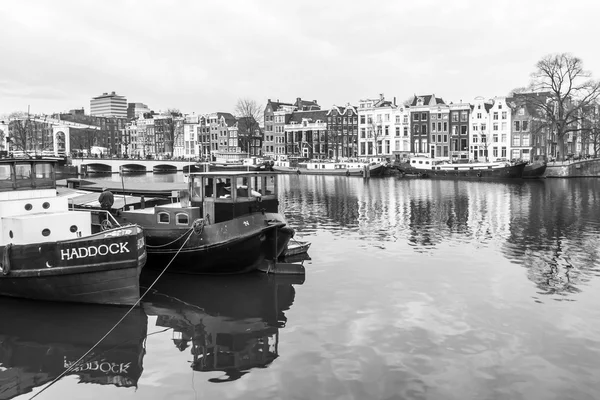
(170, 243)
(73, 365)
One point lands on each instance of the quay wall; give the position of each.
(574, 169)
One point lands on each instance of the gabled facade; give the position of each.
(276, 115)
(530, 135)
(376, 128)
(342, 132)
(420, 110)
(401, 129)
(306, 134)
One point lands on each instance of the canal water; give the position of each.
(415, 289)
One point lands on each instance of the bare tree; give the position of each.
(173, 130)
(569, 89)
(248, 113)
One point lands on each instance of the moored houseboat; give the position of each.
(328, 167)
(224, 222)
(425, 167)
(48, 252)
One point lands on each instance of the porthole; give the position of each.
(182, 219)
(28, 207)
(46, 205)
(73, 228)
(164, 218)
(10, 234)
(46, 232)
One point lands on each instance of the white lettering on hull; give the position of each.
(93, 251)
(102, 365)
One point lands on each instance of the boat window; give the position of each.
(420, 162)
(456, 168)
(182, 219)
(242, 187)
(196, 188)
(470, 167)
(6, 180)
(164, 218)
(43, 174)
(23, 174)
(269, 187)
(223, 188)
(208, 188)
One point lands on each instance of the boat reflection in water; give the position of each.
(39, 341)
(230, 323)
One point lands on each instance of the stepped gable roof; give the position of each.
(314, 115)
(230, 120)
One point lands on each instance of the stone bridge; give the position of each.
(116, 165)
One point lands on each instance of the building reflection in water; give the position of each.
(39, 341)
(229, 324)
(551, 226)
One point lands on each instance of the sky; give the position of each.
(203, 56)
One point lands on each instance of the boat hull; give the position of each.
(234, 246)
(103, 268)
(374, 170)
(509, 172)
(534, 171)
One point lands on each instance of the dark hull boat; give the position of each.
(330, 168)
(48, 252)
(429, 168)
(229, 324)
(103, 268)
(39, 341)
(215, 229)
(535, 170)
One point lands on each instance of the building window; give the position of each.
(423, 116)
(524, 125)
(475, 127)
(463, 116)
(163, 218)
(415, 116)
(424, 129)
(405, 131)
(495, 115)
(517, 126)
(503, 114)
(397, 131)
(433, 127)
(516, 140)
(495, 126)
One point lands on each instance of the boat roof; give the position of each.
(231, 173)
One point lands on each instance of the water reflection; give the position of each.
(229, 324)
(551, 227)
(38, 341)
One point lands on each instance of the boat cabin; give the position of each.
(30, 210)
(226, 195)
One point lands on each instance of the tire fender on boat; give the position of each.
(298, 171)
(479, 174)
(347, 173)
(5, 262)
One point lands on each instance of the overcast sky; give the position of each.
(202, 56)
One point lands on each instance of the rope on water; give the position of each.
(73, 365)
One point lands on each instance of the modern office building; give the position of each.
(108, 105)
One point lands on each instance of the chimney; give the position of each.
(380, 96)
(394, 100)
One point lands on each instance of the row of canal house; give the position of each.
(487, 129)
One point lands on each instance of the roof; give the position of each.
(298, 116)
(230, 120)
(428, 100)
